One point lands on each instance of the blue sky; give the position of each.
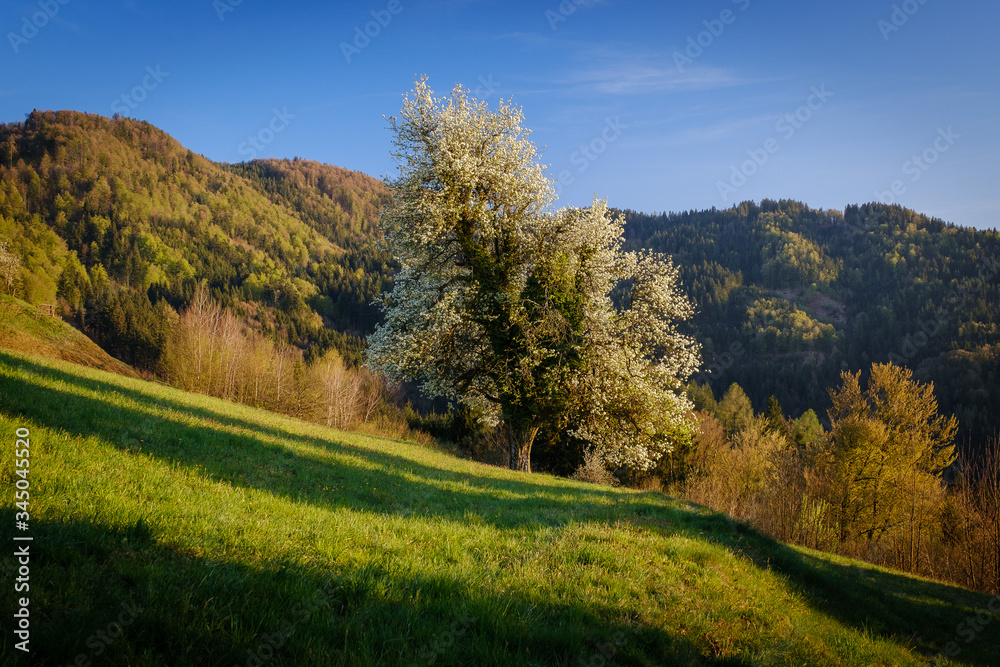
(656, 106)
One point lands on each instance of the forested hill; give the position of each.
(118, 222)
(115, 216)
(789, 296)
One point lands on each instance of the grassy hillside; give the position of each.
(220, 535)
(26, 329)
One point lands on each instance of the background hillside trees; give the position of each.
(10, 268)
(889, 448)
(970, 523)
(209, 349)
(873, 487)
(790, 296)
(256, 282)
(289, 242)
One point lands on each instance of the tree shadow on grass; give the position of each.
(921, 614)
(140, 427)
(125, 597)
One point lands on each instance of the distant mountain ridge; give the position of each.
(788, 296)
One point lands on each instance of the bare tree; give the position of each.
(373, 393)
(341, 391)
(10, 267)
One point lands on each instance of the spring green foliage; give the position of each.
(789, 296)
(735, 410)
(806, 430)
(287, 242)
(10, 268)
(889, 447)
(790, 259)
(344, 207)
(222, 523)
(873, 487)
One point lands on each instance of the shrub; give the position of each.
(593, 470)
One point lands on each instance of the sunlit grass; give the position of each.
(226, 524)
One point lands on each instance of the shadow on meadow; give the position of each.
(259, 459)
(921, 614)
(117, 596)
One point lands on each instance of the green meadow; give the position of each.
(175, 529)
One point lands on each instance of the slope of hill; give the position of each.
(338, 204)
(283, 241)
(170, 528)
(789, 296)
(26, 329)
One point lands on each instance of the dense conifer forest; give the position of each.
(788, 297)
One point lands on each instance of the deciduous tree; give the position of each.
(536, 316)
(10, 267)
(890, 447)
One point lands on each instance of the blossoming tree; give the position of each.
(538, 317)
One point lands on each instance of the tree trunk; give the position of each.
(519, 440)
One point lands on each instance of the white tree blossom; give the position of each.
(537, 317)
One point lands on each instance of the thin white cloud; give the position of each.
(634, 78)
(607, 68)
(703, 134)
